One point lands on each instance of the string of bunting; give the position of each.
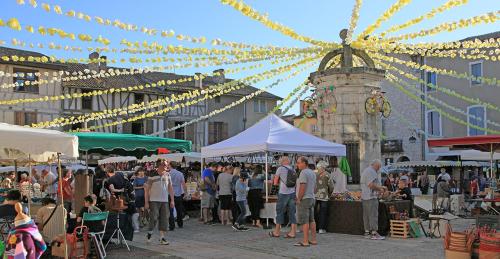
(233, 85)
(490, 17)
(297, 98)
(14, 24)
(248, 11)
(135, 60)
(452, 73)
(469, 54)
(139, 69)
(165, 33)
(442, 89)
(442, 8)
(384, 17)
(57, 76)
(138, 87)
(177, 106)
(354, 20)
(233, 104)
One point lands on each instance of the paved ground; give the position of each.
(199, 241)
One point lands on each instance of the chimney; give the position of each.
(198, 82)
(220, 77)
(94, 61)
(103, 63)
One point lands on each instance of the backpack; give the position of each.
(291, 178)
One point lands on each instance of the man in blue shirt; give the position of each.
(179, 185)
(208, 191)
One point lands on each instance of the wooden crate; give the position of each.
(400, 228)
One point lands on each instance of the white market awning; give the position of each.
(18, 143)
(116, 159)
(436, 164)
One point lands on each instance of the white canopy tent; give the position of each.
(272, 134)
(116, 159)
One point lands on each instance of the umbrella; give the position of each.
(485, 143)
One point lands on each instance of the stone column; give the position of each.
(349, 122)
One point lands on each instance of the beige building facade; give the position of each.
(412, 123)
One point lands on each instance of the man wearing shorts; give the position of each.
(306, 186)
(159, 196)
(208, 191)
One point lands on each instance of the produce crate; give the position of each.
(400, 228)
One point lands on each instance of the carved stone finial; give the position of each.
(346, 55)
(343, 35)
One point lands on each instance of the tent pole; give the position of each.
(59, 169)
(491, 160)
(201, 179)
(29, 185)
(267, 188)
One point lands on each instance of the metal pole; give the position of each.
(267, 188)
(29, 185)
(491, 160)
(59, 169)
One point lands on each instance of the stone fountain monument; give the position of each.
(341, 92)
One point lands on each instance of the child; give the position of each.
(89, 207)
(241, 189)
(404, 191)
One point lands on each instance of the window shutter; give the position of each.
(171, 124)
(211, 133)
(224, 134)
(189, 132)
(19, 118)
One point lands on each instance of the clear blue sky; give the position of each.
(319, 19)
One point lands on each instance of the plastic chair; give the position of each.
(97, 236)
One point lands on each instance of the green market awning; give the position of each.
(128, 144)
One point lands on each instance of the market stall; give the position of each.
(272, 135)
(346, 216)
(30, 146)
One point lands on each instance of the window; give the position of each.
(434, 123)
(25, 75)
(138, 128)
(217, 99)
(476, 115)
(431, 79)
(180, 133)
(259, 106)
(476, 70)
(217, 132)
(138, 98)
(149, 127)
(86, 100)
(25, 118)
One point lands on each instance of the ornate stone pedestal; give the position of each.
(341, 113)
(341, 94)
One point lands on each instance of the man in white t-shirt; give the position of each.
(370, 188)
(159, 196)
(286, 199)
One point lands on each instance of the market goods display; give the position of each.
(346, 196)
